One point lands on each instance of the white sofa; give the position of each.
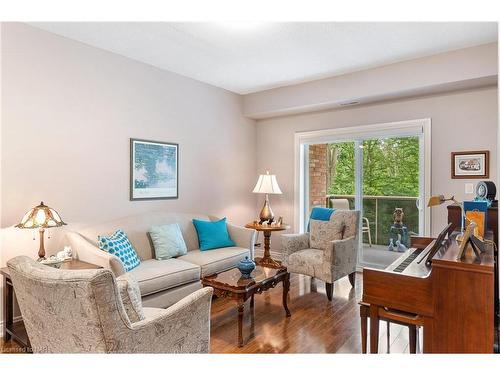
(163, 282)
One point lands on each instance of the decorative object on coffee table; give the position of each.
(267, 229)
(267, 184)
(246, 266)
(230, 284)
(41, 217)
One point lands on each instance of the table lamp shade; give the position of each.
(41, 216)
(267, 184)
(436, 200)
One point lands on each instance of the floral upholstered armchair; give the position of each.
(328, 252)
(89, 311)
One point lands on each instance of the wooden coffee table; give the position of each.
(230, 284)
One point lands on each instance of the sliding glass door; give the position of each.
(390, 197)
(378, 171)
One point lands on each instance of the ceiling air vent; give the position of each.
(345, 104)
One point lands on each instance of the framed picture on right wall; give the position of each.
(470, 164)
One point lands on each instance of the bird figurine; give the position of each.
(391, 245)
(400, 248)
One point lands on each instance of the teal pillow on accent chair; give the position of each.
(118, 244)
(212, 234)
(168, 241)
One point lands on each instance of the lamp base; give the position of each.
(266, 214)
(41, 250)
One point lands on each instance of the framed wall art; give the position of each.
(470, 164)
(154, 170)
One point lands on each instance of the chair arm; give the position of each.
(243, 237)
(181, 328)
(292, 243)
(341, 256)
(87, 252)
(131, 296)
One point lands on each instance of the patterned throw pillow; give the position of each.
(167, 241)
(323, 232)
(118, 244)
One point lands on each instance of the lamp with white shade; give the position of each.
(267, 184)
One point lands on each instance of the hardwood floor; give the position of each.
(316, 325)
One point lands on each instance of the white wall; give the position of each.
(465, 68)
(68, 111)
(465, 120)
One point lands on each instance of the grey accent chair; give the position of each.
(337, 260)
(89, 311)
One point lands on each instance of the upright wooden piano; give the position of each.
(453, 298)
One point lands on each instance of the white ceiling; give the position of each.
(249, 57)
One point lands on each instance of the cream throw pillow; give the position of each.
(168, 241)
(323, 232)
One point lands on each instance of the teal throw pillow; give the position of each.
(212, 234)
(118, 244)
(167, 241)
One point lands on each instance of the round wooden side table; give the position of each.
(267, 229)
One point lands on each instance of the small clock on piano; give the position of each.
(486, 191)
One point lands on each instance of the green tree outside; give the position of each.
(390, 168)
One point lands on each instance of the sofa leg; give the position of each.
(329, 291)
(352, 279)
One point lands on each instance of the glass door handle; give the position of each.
(418, 204)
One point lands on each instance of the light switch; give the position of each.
(469, 188)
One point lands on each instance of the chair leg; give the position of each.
(352, 278)
(388, 337)
(329, 291)
(364, 311)
(367, 230)
(413, 339)
(369, 235)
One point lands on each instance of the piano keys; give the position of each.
(453, 298)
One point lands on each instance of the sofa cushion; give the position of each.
(167, 241)
(157, 275)
(216, 260)
(213, 234)
(118, 244)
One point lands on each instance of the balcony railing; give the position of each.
(379, 211)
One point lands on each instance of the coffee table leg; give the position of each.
(286, 289)
(241, 307)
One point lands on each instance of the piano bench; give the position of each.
(411, 321)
